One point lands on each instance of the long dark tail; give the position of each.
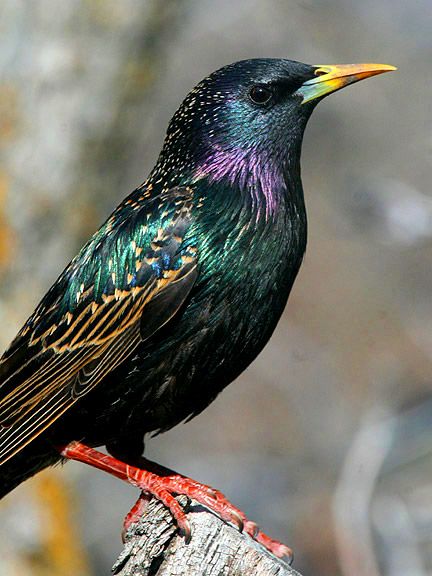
(29, 461)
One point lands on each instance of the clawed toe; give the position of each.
(251, 528)
(277, 548)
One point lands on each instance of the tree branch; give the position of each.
(154, 547)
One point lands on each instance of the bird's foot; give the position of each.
(208, 497)
(163, 484)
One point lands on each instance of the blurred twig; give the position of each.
(353, 495)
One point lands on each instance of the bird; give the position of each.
(176, 293)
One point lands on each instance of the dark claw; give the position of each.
(255, 529)
(237, 520)
(290, 558)
(186, 532)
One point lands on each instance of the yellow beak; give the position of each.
(330, 78)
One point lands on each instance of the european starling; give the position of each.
(177, 292)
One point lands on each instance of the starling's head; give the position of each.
(245, 122)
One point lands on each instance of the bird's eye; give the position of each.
(260, 94)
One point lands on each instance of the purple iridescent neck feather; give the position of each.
(252, 171)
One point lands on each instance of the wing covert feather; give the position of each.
(127, 282)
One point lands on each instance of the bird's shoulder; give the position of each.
(136, 252)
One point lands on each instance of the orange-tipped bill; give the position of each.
(330, 78)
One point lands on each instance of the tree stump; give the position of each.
(154, 547)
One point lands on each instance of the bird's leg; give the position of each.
(163, 483)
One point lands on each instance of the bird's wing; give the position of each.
(127, 282)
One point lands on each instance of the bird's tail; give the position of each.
(32, 459)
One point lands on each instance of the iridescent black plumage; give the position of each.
(179, 290)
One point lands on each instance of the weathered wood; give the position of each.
(154, 547)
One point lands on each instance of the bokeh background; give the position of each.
(326, 439)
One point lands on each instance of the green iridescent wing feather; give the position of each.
(127, 282)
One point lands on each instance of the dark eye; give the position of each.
(260, 94)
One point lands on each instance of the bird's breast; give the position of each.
(243, 285)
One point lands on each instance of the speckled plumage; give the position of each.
(178, 291)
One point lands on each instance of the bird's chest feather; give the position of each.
(248, 272)
(247, 268)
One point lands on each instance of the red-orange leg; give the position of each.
(163, 486)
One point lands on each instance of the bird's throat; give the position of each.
(258, 175)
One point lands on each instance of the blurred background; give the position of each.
(326, 440)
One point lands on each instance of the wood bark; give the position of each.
(154, 547)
